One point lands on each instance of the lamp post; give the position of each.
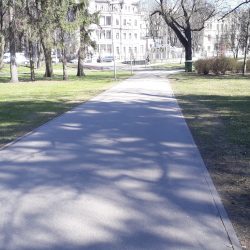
(112, 34)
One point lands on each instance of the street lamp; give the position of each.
(112, 3)
(112, 34)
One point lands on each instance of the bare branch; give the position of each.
(234, 9)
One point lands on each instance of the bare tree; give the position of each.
(245, 31)
(235, 8)
(185, 17)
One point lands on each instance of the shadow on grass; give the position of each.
(188, 76)
(19, 117)
(233, 110)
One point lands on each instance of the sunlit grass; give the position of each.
(26, 105)
(226, 97)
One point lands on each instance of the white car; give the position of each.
(20, 58)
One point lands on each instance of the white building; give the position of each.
(220, 37)
(122, 28)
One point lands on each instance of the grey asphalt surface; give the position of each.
(118, 172)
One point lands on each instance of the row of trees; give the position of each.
(44, 24)
(187, 18)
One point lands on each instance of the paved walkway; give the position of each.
(120, 172)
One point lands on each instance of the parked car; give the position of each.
(20, 58)
(105, 59)
(74, 61)
(55, 59)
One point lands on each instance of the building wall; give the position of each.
(126, 23)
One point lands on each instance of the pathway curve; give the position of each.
(120, 172)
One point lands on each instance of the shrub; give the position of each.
(203, 66)
(223, 64)
(239, 67)
(248, 65)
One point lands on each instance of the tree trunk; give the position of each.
(2, 44)
(80, 66)
(13, 64)
(39, 55)
(32, 64)
(64, 61)
(81, 55)
(189, 58)
(246, 46)
(48, 60)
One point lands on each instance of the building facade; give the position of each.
(122, 31)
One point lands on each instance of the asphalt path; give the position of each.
(120, 172)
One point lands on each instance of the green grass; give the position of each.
(169, 66)
(26, 105)
(226, 97)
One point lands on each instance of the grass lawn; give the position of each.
(217, 110)
(26, 105)
(169, 66)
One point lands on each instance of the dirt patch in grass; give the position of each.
(219, 125)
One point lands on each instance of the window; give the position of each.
(108, 20)
(102, 34)
(135, 22)
(102, 20)
(117, 36)
(103, 48)
(124, 36)
(208, 48)
(109, 48)
(141, 48)
(135, 50)
(117, 50)
(108, 34)
(130, 36)
(117, 21)
(209, 37)
(124, 22)
(135, 35)
(124, 50)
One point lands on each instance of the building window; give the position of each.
(117, 36)
(135, 35)
(124, 22)
(102, 20)
(208, 48)
(102, 34)
(103, 47)
(141, 49)
(135, 22)
(209, 37)
(117, 51)
(124, 36)
(124, 50)
(108, 34)
(135, 50)
(108, 20)
(109, 48)
(117, 21)
(130, 36)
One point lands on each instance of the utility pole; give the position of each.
(112, 33)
